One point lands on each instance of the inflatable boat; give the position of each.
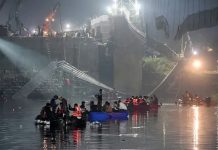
(104, 116)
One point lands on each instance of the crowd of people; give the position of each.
(53, 110)
(58, 107)
(148, 100)
(107, 107)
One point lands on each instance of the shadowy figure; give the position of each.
(99, 98)
(93, 107)
(53, 103)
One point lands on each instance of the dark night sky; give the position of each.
(33, 12)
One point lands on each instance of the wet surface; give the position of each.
(172, 127)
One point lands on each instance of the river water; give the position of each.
(171, 128)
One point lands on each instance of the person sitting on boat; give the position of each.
(140, 99)
(53, 103)
(208, 101)
(84, 111)
(145, 98)
(115, 107)
(104, 106)
(144, 102)
(149, 100)
(63, 109)
(83, 107)
(122, 106)
(46, 113)
(93, 107)
(155, 100)
(76, 111)
(107, 107)
(189, 97)
(135, 100)
(130, 106)
(127, 101)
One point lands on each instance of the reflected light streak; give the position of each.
(76, 135)
(195, 127)
(164, 134)
(45, 144)
(135, 120)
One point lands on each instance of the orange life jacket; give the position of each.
(77, 112)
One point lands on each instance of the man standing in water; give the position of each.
(99, 97)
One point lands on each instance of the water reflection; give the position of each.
(123, 127)
(76, 136)
(59, 137)
(169, 129)
(164, 134)
(195, 126)
(47, 137)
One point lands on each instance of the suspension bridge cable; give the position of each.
(173, 15)
(163, 81)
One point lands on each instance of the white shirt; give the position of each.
(122, 106)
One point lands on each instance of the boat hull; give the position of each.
(103, 116)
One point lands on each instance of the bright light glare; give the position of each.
(210, 49)
(109, 10)
(115, 6)
(137, 7)
(68, 25)
(197, 64)
(121, 9)
(33, 31)
(195, 52)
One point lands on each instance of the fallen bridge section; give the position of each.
(47, 71)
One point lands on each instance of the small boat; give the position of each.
(74, 122)
(42, 122)
(104, 116)
(48, 123)
(98, 116)
(141, 108)
(154, 107)
(77, 122)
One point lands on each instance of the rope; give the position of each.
(164, 79)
